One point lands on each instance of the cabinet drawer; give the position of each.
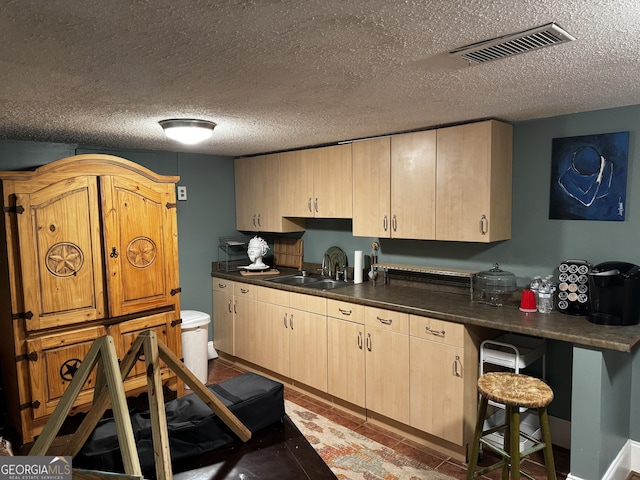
(392, 321)
(345, 310)
(437, 330)
(222, 285)
(245, 290)
(308, 303)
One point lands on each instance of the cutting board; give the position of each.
(271, 271)
(288, 252)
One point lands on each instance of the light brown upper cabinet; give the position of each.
(447, 184)
(394, 186)
(473, 202)
(258, 184)
(316, 182)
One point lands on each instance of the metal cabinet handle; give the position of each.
(369, 341)
(114, 252)
(360, 340)
(309, 204)
(439, 333)
(384, 223)
(457, 367)
(484, 224)
(259, 223)
(222, 285)
(235, 307)
(394, 223)
(386, 321)
(291, 321)
(244, 290)
(315, 204)
(345, 312)
(284, 318)
(230, 306)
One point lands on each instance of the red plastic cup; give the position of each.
(528, 301)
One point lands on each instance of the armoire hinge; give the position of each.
(174, 291)
(176, 322)
(16, 209)
(171, 205)
(33, 356)
(26, 315)
(35, 404)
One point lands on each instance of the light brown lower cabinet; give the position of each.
(387, 363)
(308, 340)
(244, 321)
(346, 352)
(415, 370)
(223, 308)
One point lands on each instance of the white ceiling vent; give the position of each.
(514, 44)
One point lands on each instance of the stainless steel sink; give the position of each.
(314, 282)
(327, 284)
(295, 280)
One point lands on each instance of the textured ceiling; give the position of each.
(283, 74)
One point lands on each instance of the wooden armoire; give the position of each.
(89, 246)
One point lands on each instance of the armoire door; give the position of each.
(60, 252)
(140, 241)
(53, 361)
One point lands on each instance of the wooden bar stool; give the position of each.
(513, 390)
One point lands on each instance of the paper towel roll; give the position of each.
(358, 265)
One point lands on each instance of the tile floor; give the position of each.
(220, 370)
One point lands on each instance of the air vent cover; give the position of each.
(514, 44)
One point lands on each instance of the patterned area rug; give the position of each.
(352, 456)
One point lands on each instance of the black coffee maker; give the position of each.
(615, 293)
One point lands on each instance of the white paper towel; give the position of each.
(358, 265)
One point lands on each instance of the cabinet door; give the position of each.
(59, 242)
(413, 185)
(140, 243)
(246, 213)
(223, 305)
(371, 188)
(332, 181)
(55, 359)
(387, 373)
(245, 323)
(437, 389)
(257, 194)
(346, 361)
(273, 332)
(473, 200)
(308, 348)
(296, 180)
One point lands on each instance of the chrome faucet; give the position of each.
(326, 266)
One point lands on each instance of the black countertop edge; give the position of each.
(460, 309)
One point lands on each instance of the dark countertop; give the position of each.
(460, 309)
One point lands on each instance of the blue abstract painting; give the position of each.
(589, 177)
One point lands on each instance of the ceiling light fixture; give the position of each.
(187, 130)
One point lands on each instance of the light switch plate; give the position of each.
(182, 192)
